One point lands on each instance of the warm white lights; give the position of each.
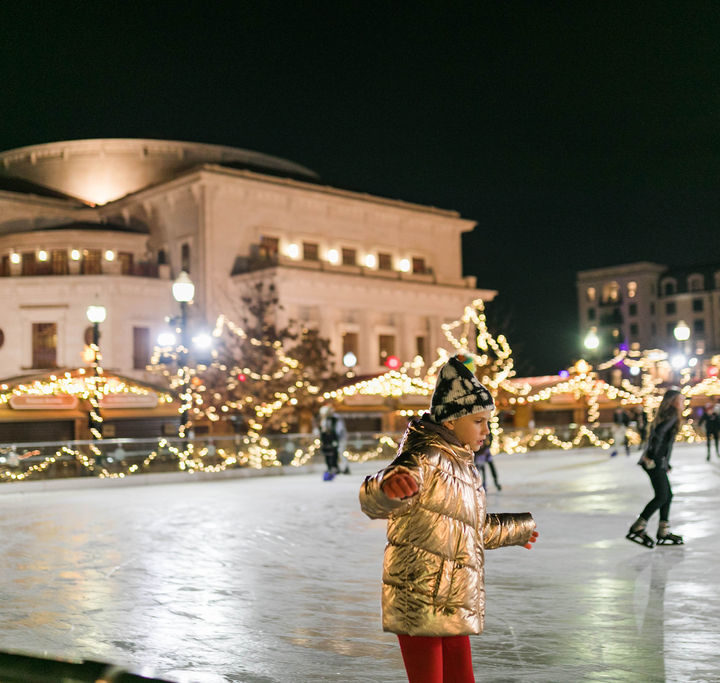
(333, 256)
(202, 340)
(678, 361)
(293, 250)
(96, 314)
(349, 360)
(109, 255)
(404, 265)
(42, 255)
(682, 331)
(166, 338)
(75, 254)
(370, 260)
(15, 257)
(591, 341)
(183, 289)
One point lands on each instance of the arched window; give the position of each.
(591, 294)
(162, 257)
(669, 287)
(696, 282)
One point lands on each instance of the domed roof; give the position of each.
(103, 170)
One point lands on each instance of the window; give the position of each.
(162, 257)
(591, 293)
(28, 263)
(669, 287)
(44, 345)
(670, 308)
(421, 346)
(632, 309)
(385, 262)
(350, 343)
(59, 259)
(126, 262)
(699, 327)
(698, 305)
(349, 256)
(311, 251)
(632, 289)
(5, 266)
(611, 291)
(91, 263)
(419, 267)
(633, 329)
(387, 347)
(141, 347)
(591, 313)
(696, 283)
(185, 257)
(269, 248)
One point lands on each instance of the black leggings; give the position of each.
(663, 495)
(710, 437)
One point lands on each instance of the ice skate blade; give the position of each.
(667, 541)
(644, 541)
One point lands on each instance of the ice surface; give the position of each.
(277, 579)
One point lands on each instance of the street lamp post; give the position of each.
(183, 291)
(96, 315)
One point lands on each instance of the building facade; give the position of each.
(641, 305)
(114, 221)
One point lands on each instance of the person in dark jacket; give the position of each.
(656, 462)
(710, 421)
(484, 457)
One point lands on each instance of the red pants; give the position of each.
(437, 659)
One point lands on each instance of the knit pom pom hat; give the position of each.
(458, 392)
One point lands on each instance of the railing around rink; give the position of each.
(124, 457)
(117, 458)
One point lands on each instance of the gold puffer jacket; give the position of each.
(433, 570)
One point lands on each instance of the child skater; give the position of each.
(656, 462)
(433, 593)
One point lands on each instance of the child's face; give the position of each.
(471, 429)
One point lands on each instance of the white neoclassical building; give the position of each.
(114, 221)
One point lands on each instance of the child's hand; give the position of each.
(399, 485)
(532, 540)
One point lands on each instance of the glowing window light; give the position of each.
(109, 255)
(333, 256)
(75, 254)
(370, 260)
(15, 257)
(404, 265)
(42, 255)
(293, 250)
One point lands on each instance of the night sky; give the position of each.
(578, 135)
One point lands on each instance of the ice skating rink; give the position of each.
(277, 579)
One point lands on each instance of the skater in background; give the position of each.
(710, 422)
(333, 439)
(433, 593)
(641, 419)
(656, 462)
(484, 457)
(621, 422)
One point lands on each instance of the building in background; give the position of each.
(114, 221)
(644, 305)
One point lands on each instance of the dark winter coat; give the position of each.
(660, 442)
(711, 421)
